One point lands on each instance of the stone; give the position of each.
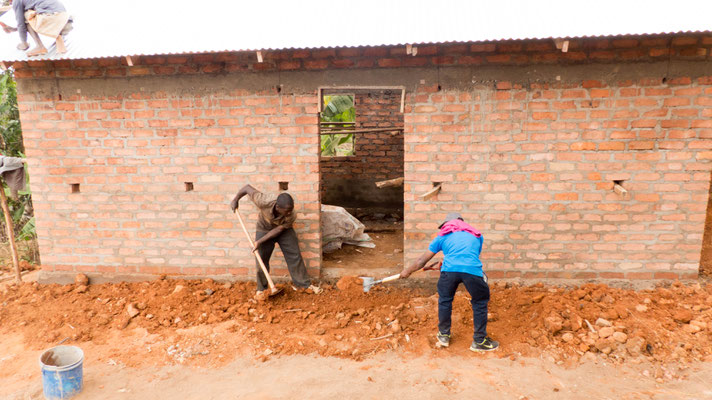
(320, 331)
(267, 352)
(634, 346)
(81, 279)
(682, 316)
(209, 292)
(620, 337)
(700, 324)
(603, 322)
(538, 298)
(553, 323)
(395, 327)
(588, 357)
(689, 328)
(602, 344)
(227, 285)
(641, 308)
(81, 289)
(605, 332)
(132, 310)
(611, 314)
(178, 289)
(567, 337)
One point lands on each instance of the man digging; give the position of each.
(461, 245)
(274, 225)
(46, 17)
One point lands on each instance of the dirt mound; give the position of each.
(660, 325)
(350, 284)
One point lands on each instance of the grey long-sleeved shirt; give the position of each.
(40, 6)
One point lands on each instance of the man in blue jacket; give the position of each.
(461, 245)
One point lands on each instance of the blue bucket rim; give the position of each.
(65, 367)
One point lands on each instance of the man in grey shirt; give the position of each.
(48, 17)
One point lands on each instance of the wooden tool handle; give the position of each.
(390, 278)
(257, 256)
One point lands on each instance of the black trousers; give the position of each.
(480, 293)
(289, 244)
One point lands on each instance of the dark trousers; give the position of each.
(289, 244)
(479, 291)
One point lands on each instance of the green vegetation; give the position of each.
(11, 145)
(338, 109)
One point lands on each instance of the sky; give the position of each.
(106, 28)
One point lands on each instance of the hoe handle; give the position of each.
(257, 255)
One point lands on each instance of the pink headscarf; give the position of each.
(457, 225)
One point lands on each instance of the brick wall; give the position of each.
(349, 181)
(527, 140)
(533, 167)
(132, 153)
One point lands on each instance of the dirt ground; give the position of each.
(388, 253)
(168, 330)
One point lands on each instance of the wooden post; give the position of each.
(10, 231)
(390, 182)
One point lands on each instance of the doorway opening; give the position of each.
(361, 178)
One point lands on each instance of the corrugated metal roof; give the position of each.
(148, 27)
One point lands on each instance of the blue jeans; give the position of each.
(480, 293)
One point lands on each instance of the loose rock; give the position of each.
(132, 310)
(620, 337)
(683, 316)
(81, 279)
(605, 332)
(553, 323)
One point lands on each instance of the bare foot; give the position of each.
(23, 46)
(60, 45)
(37, 51)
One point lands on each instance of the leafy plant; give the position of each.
(10, 130)
(337, 109)
(11, 145)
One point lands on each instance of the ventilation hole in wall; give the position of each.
(618, 188)
(189, 186)
(283, 185)
(440, 88)
(435, 184)
(665, 79)
(279, 89)
(59, 96)
(75, 187)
